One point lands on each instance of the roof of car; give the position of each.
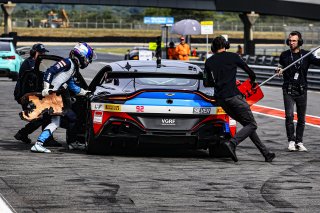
(151, 65)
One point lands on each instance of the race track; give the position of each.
(171, 180)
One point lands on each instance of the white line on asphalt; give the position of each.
(5, 207)
(89, 79)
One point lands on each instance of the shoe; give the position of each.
(301, 147)
(38, 147)
(51, 142)
(23, 138)
(292, 146)
(269, 157)
(232, 150)
(76, 146)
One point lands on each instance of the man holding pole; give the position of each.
(295, 87)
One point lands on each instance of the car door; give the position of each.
(80, 104)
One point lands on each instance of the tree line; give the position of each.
(114, 14)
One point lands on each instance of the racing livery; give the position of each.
(134, 102)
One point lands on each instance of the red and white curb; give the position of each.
(311, 120)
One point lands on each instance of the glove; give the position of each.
(83, 92)
(253, 84)
(253, 81)
(46, 90)
(279, 71)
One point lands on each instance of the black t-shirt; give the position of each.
(289, 75)
(223, 67)
(27, 65)
(29, 80)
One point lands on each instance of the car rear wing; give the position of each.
(124, 74)
(6, 39)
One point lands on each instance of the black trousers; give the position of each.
(238, 108)
(31, 127)
(69, 122)
(301, 103)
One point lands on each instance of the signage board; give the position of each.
(158, 20)
(145, 55)
(206, 27)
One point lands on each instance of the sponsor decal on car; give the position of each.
(168, 122)
(112, 107)
(98, 106)
(220, 111)
(154, 109)
(139, 108)
(202, 110)
(97, 117)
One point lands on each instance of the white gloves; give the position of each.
(83, 92)
(46, 90)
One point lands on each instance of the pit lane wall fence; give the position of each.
(264, 72)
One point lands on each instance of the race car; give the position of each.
(10, 60)
(139, 53)
(134, 102)
(139, 102)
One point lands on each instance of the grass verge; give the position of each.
(83, 32)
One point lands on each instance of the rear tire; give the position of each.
(217, 149)
(92, 146)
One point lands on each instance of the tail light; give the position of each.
(12, 57)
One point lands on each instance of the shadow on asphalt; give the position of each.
(139, 151)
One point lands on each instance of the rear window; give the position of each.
(4, 46)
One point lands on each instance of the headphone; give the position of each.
(300, 40)
(33, 50)
(217, 45)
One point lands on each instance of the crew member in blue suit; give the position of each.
(59, 75)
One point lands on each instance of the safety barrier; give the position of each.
(264, 72)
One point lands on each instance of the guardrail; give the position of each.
(265, 72)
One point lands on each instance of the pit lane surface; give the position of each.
(160, 179)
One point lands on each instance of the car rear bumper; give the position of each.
(129, 132)
(186, 140)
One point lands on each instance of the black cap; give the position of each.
(40, 48)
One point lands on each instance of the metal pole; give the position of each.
(167, 34)
(207, 45)
(290, 65)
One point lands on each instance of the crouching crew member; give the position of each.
(30, 81)
(220, 71)
(60, 73)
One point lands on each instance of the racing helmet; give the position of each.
(83, 54)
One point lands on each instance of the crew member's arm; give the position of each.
(58, 67)
(313, 60)
(75, 88)
(279, 69)
(208, 76)
(243, 65)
